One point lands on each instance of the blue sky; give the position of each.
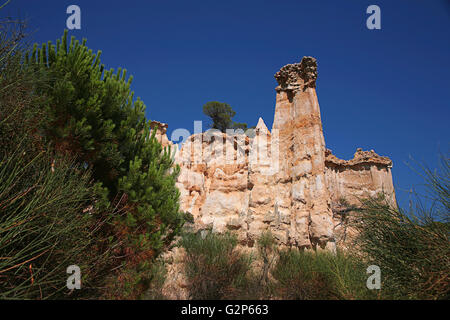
(387, 90)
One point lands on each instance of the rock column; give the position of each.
(302, 150)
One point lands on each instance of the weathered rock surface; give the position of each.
(160, 135)
(366, 175)
(283, 180)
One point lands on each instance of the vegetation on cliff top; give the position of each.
(221, 115)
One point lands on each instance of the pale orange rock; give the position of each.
(366, 175)
(284, 180)
(160, 135)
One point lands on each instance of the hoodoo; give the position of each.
(302, 188)
(283, 180)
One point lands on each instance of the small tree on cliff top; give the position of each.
(221, 114)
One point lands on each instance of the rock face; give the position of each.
(160, 135)
(302, 186)
(367, 174)
(283, 180)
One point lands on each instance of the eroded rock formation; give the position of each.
(283, 180)
(160, 135)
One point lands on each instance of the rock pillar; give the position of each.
(302, 146)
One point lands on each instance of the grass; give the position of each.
(42, 228)
(217, 269)
(412, 248)
(214, 267)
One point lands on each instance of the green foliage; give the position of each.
(92, 183)
(217, 269)
(300, 277)
(157, 278)
(221, 114)
(267, 248)
(307, 275)
(43, 229)
(214, 267)
(142, 282)
(411, 248)
(46, 223)
(19, 113)
(93, 116)
(91, 111)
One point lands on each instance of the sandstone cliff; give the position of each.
(283, 180)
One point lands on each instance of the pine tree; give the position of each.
(93, 115)
(221, 115)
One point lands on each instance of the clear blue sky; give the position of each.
(387, 90)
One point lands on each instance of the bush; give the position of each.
(93, 116)
(157, 278)
(54, 208)
(142, 282)
(411, 248)
(44, 227)
(214, 267)
(305, 275)
(300, 278)
(20, 114)
(47, 221)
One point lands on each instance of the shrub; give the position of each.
(307, 275)
(51, 181)
(93, 116)
(411, 248)
(260, 283)
(141, 282)
(157, 278)
(217, 270)
(214, 267)
(300, 277)
(20, 114)
(44, 227)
